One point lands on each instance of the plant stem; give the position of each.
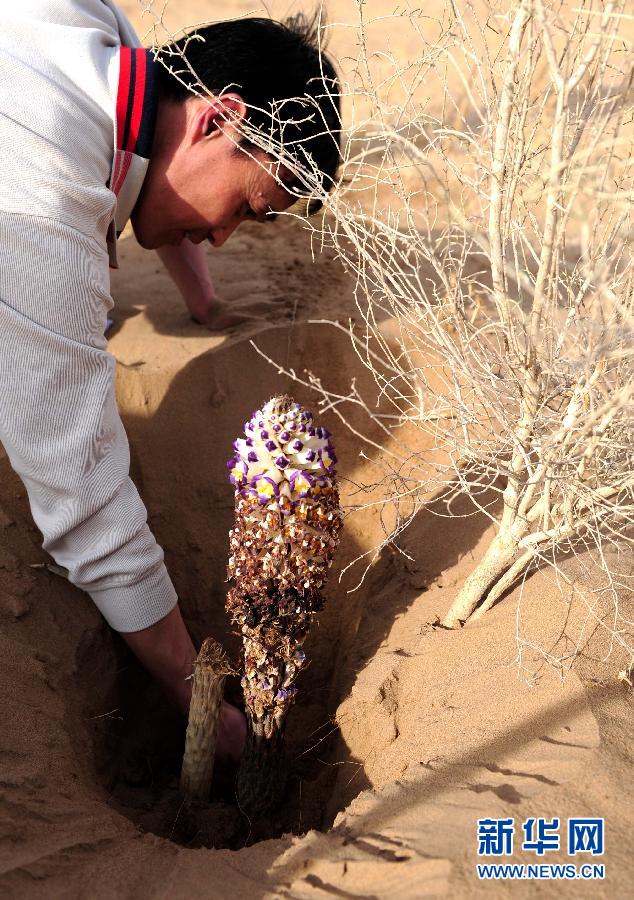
(497, 559)
(210, 670)
(262, 775)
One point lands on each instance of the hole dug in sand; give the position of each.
(436, 723)
(190, 504)
(138, 752)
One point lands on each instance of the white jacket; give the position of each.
(76, 110)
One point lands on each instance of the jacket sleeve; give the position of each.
(59, 421)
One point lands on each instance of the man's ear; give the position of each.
(213, 115)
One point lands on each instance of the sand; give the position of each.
(404, 733)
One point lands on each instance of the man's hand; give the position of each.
(216, 314)
(187, 264)
(200, 304)
(222, 315)
(167, 652)
(232, 733)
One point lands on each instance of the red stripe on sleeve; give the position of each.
(124, 165)
(114, 180)
(139, 94)
(123, 92)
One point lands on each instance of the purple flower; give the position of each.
(311, 455)
(277, 428)
(252, 457)
(265, 488)
(302, 482)
(281, 462)
(249, 442)
(319, 433)
(238, 472)
(231, 462)
(282, 694)
(327, 456)
(264, 434)
(270, 445)
(311, 432)
(285, 436)
(302, 429)
(297, 445)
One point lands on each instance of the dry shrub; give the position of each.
(485, 209)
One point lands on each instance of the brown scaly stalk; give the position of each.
(210, 669)
(287, 523)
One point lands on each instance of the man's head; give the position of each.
(206, 173)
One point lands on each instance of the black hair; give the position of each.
(289, 85)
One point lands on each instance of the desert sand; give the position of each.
(404, 734)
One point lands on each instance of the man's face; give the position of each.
(200, 186)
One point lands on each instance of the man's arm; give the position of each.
(61, 428)
(188, 268)
(60, 424)
(167, 652)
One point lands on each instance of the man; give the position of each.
(94, 130)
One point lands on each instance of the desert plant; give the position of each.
(488, 221)
(287, 523)
(485, 210)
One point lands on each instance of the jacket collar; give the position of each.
(135, 120)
